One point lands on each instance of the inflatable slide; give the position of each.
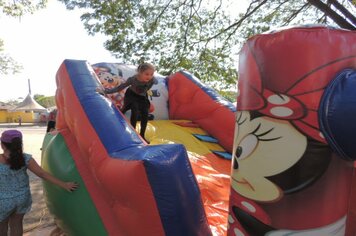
(177, 185)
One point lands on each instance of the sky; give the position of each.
(41, 42)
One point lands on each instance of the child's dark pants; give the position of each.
(138, 105)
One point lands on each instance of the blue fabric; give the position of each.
(15, 195)
(337, 114)
(225, 155)
(206, 138)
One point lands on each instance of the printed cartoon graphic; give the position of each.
(111, 80)
(261, 135)
(285, 175)
(113, 74)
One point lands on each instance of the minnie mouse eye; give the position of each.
(238, 151)
(246, 147)
(236, 164)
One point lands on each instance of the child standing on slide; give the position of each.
(15, 194)
(136, 97)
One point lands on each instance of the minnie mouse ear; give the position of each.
(337, 113)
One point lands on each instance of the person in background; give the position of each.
(15, 194)
(52, 115)
(136, 97)
(20, 120)
(51, 126)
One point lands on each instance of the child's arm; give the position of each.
(37, 170)
(100, 90)
(152, 82)
(127, 83)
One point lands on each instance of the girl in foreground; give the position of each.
(15, 194)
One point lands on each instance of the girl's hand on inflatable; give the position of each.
(70, 186)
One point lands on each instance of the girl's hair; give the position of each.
(16, 159)
(145, 66)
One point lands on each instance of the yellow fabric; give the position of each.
(212, 172)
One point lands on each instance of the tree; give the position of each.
(16, 8)
(202, 36)
(7, 64)
(45, 101)
(19, 8)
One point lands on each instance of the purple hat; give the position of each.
(8, 135)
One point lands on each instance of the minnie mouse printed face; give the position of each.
(284, 171)
(272, 158)
(257, 156)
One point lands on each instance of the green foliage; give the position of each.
(201, 36)
(45, 101)
(170, 34)
(7, 64)
(229, 95)
(21, 7)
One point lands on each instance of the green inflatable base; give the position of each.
(74, 212)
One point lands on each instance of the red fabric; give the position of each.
(189, 102)
(285, 78)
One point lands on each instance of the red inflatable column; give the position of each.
(286, 178)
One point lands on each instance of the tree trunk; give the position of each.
(332, 14)
(344, 11)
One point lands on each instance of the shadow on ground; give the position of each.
(39, 215)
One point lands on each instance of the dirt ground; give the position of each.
(39, 221)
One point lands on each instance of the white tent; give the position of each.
(29, 104)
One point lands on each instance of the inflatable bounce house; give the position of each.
(177, 185)
(282, 164)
